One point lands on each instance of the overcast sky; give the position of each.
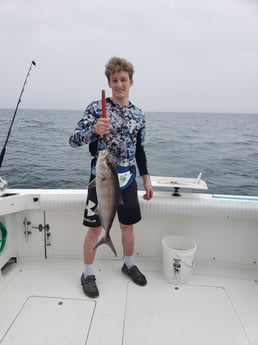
(189, 55)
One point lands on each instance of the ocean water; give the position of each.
(224, 147)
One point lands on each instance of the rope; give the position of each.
(3, 232)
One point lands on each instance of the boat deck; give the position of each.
(43, 303)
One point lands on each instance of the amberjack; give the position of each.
(108, 195)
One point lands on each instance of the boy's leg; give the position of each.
(88, 277)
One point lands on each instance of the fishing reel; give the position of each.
(3, 184)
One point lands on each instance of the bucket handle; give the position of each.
(187, 265)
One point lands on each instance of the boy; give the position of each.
(123, 130)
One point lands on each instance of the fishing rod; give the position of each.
(103, 104)
(104, 109)
(33, 63)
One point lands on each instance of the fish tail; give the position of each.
(107, 240)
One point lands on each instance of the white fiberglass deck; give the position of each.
(43, 303)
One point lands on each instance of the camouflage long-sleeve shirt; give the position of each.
(125, 141)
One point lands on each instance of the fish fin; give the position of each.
(112, 167)
(92, 183)
(108, 241)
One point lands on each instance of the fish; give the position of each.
(108, 195)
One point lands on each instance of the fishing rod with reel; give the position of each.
(3, 183)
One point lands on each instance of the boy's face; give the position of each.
(120, 84)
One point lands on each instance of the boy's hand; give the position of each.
(102, 126)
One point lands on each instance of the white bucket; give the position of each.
(178, 257)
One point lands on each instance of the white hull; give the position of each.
(41, 300)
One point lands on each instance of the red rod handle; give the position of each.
(104, 104)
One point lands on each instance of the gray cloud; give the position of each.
(188, 55)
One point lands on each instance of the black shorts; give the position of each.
(129, 213)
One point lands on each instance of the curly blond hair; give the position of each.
(117, 64)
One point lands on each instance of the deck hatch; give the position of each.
(47, 320)
(161, 314)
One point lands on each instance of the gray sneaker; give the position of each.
(89, 286)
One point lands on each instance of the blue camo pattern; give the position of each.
(126, 122)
